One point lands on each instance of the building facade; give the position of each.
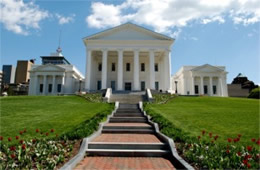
(22, 74)
(8, 74)
(128, 57)
(200, 80)
(55, 77)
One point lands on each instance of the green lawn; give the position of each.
(226, 117)
(61, 113)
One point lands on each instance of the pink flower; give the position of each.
(12, 148)
(216, 137)
(47, 134)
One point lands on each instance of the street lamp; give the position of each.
(176, 90)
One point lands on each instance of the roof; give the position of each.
(127, 25)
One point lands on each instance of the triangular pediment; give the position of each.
(128, 31)
(49, 68)
(207, 69)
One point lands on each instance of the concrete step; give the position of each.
(128, 111)
(128, 119)
(127, 127)
(128, 106)
(128, 115)
(134, 131)
(127, 146)
(127, 152)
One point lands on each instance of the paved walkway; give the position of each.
(129, 142)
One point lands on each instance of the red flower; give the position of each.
(239, 135)
(248, 165)
(239, 153)
(1, 138)
(24, 130)
(216, 137)
(17, 137)
(21, 141)
(253, 140)
(21, 132)
(210, 135)
(245, 161)
(199, 137)
(12, 148)
(37, 130)
(236, 140)
(47, 134)
(249, 148)
(13, 156)
(227, 151)
(34, 141)
(9, 139)
(23, 146)
(258, 142)
(248, 156)
(203, 132)
(52, 130)
(229, 140)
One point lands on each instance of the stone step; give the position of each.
(128, 111)
(128, 106)
(128, 115)
(127, 152)
(127, 146)
(126, 127)
(128, 119)
(134, 131)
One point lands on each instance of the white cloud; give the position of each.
(19, 17)
(164, 15)
(65, 20)
(194, 38)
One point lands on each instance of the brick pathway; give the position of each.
(128, 163)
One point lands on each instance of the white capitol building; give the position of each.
(126, 58)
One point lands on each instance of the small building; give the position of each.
(22, 71)
(8, 74)
(55, 76)
(200, 80)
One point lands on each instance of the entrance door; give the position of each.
(113, 85)
(205, 89)
(143, 85)
(128, 86)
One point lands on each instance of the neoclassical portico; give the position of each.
(201, 80)
(128, 57)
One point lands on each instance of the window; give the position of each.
(196, 89)
(99, 66)
(127, 66)
(113, 66)
(156, 67)
(205, 89)
(156, 85)
(142, 67)
(58, 88)
(41, 88)
(50, 88)
(214, 89)
(143, 85)
(99, 85)
(113, 85)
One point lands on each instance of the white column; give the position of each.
(220, 86)
(167, 69)
(88, 70)
(201, 86)
(210, 87)
(136, 70)
(44, 84)
(62, 84)
(192, 86)
(36, 86)
(53, 84)
(152, 79)
(104, 69)
(120, 70)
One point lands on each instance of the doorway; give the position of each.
(128, 86)
(143, 85)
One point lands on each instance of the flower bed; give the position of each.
(205, 152)
(162, 98)
(43, 152)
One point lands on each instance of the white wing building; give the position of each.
(200, 80)
(128, 57)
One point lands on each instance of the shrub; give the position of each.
(162, 98)
(255, 93)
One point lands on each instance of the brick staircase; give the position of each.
(127, 141)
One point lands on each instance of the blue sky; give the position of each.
(223, 32)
